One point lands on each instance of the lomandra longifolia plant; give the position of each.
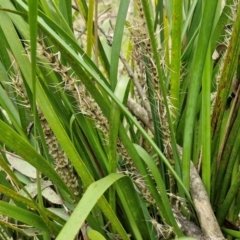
(119, 119)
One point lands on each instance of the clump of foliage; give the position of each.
(119, 127)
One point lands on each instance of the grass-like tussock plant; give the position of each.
(119, 119)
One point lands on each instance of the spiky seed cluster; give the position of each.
(18, 87)
(143, 48)
(63, 166)
(179, 203)
(140, 185)
(89, 107)
(122, 151)
(87, 104)
(163, 231)
(133, 173)
(138, 38)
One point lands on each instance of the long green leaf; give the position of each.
(206, 124)
(224, 207)
(117, 41)
(90, 27)
(23, 216)
(196, 76)
(89, 199)
(176, 55)
(114, 122)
